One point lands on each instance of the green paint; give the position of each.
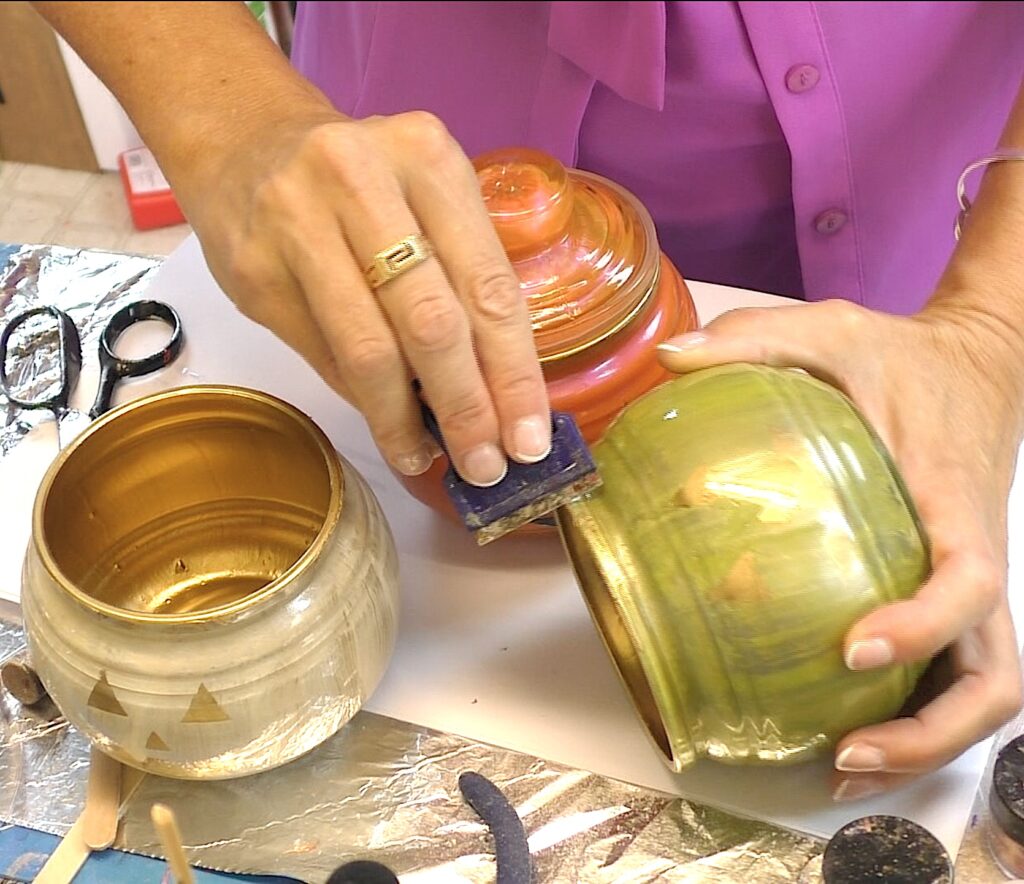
(751, 516)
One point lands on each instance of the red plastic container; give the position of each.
(150, 199)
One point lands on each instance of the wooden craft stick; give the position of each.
(167, 829)
(96, 826)
(102, 801)
(67, 859)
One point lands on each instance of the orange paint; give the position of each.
(601, 295)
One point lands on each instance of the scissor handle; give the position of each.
(114, 368)
(70, 359)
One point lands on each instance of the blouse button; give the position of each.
(830, 221)
(802, 78)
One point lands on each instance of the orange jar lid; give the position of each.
(585, 249)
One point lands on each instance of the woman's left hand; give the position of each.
(945, 392)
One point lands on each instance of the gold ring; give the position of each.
(397, 259)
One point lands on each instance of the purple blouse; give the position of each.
(804, 149)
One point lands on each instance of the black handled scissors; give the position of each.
(113, 368)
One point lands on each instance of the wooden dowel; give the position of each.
(167, 829)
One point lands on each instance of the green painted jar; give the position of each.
(749, 517)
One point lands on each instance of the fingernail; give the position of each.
(869, 654)
(684, 342)
(860, 757)
(853, 790)
(484, 466)
(433, 449)
(415, 462)
(531, 438)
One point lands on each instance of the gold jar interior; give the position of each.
(190, 502)
(591, 558)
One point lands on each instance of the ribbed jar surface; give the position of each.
(748, 518)
(210, 590)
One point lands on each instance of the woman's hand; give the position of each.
(946, 394)
(291, 202)
(289, 221)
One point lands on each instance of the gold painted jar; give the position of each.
(210, 590)
(749, 516)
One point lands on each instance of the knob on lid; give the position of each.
(529, 198)
(585, 249)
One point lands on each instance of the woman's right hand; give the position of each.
(291, 202)
(290, 219)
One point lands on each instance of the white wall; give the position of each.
(106, 122)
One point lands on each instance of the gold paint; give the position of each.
(104, 699)
(189, 506)
(626, 319)
(204, 708)
(778, 481)
(742, 583)
(694, 491)
(156, 743)
(596, 567)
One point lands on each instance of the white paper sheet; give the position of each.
(496, 644)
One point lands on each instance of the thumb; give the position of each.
(816, 337)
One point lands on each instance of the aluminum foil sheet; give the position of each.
(387, 790)
(44, 763)
(90, 286)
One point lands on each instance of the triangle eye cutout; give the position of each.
(155, 743)
(104, 698)
(204, 708)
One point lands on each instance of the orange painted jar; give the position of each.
(601, 294)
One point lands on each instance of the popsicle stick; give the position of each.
(102, 801)
(67, 859)
(167, 829)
